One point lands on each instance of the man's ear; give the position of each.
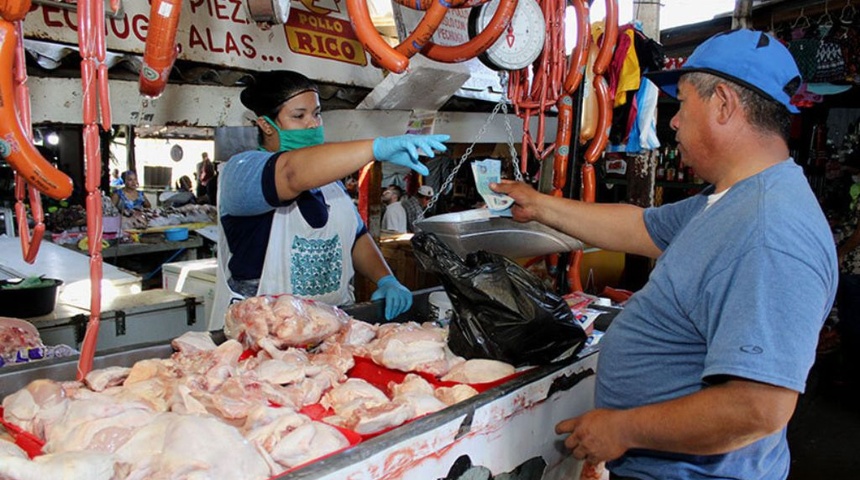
(728, 102)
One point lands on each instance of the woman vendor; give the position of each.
(286, 220)
(128, 198)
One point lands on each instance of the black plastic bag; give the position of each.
(504, 312)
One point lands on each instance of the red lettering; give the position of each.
(194, 38)
(248, 43)
(140, 26)
(212, 47)
(67, 16)
(195, 4)
(122, 23)
(331, 46)
(219, 7)
(305, 42)
(238, 10)
(348, 50)
(47, 17)
(231, 46)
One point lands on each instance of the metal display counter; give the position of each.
(509, 428)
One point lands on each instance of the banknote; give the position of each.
(486, 172)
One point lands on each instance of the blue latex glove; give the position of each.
(403, 149)
(398, 298)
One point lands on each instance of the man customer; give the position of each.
(415, 204)
(394, 218)
(700, 373)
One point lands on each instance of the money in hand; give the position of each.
(486, 172)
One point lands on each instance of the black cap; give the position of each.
(269, 90)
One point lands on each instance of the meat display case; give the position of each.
(508, 429)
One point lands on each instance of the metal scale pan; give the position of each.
(474, 230)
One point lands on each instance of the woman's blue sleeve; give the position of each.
(241, 185)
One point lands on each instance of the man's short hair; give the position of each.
(763, 113)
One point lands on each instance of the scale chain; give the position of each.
(503, 106)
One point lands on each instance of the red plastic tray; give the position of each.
(379, 376)
(24, 439)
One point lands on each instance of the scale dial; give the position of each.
(522, 42)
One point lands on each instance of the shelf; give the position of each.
(659, 183)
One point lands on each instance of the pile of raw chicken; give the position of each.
(276, 395)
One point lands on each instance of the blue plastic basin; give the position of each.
(176, 234)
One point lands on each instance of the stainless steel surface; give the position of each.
(473, 230)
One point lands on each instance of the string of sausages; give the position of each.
(94, 80)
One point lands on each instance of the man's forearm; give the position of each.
(716, 420)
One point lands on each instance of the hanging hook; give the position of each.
(802, 17)
(826, 20)
(848, 11)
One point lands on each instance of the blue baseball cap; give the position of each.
(747, 57)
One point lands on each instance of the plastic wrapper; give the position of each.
(503, 311)
(283, 320)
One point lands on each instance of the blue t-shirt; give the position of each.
(742, 289)
(247, 206)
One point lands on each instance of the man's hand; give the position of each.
(525, 198)
(596, 436)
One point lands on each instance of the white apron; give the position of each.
(310, 262)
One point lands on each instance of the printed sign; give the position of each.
(317, 40)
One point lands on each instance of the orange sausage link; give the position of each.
(610, 37)
(589, 183)
(590, 111)
(382, 53)
(562, 142)
(423, 31)
(15, 146)
(160, 51)
(574, 278)
(423, 5)
(579, 56)
(480, 43)
(14, 10)
(604, 121)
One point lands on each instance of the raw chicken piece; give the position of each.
(354, 334)
(70, 465)
(280, 372)
(103, 378)
(351, 395)
(410, 347)
(368, 420)
(9, 449)
(187, 446)
(248, 321)
(36, 407)
(479, 370)
(286, 320)
(268, 435)
(193, 342)
(417, 393)
(308, 442)
(455, 394)
(100, 423)
(16, 334)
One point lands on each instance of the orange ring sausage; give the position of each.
(480, 43)
(579, 56)
(604, 121)
(424, 30)
(161, 50)
(15, 145)
(381, 52)
(14, 10)
(562, 142)
(423, 5)
(610, 36)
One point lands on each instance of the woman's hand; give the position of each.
(398, 298)
(403, 149)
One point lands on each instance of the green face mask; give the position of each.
(293, 139)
